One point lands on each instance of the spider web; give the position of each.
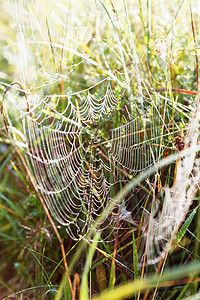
(77, 162)
(46, 26)
(68, 163)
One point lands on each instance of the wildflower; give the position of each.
(161, 47)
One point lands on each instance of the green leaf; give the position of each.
(185, 226)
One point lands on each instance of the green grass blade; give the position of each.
(186, 224)
(127, 290)
(84, 285)
(135, 258)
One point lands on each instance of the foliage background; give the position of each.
(30, 258)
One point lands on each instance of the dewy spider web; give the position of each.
(72, 176)
(46, 26)
(77, 166)
(130, 144)
(73, 186)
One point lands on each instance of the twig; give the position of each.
(180, 91)
(195, 43)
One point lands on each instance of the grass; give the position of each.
(149, 50)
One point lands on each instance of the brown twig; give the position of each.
(180, 91)
(195, 43)
(76, 285)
